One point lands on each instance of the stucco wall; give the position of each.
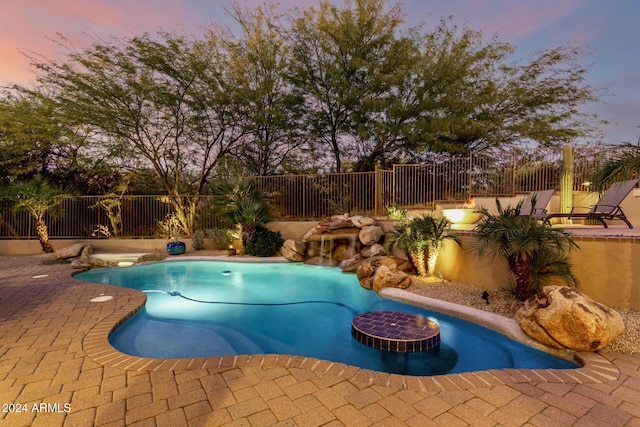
(607, 268)
(32, 247)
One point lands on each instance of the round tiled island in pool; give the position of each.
(395, 331)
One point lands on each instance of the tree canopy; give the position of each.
(317, 89)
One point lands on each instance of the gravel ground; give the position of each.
(503, 303)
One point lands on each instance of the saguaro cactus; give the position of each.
(566, 180)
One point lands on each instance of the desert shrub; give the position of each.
(395, 212)
(198, 240)
(264, 242)
(220, 237)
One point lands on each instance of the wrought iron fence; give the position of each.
(299, 197)
(89, 217)
(304, 197)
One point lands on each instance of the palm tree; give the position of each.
(37, 197)
(239, 202)
(534, 251)
(421, 239)
(623, 166)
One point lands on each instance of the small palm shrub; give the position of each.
(624, 165)
(241, 203)
(37, 197)
(421, 239)
(264, 242)
(535, 252)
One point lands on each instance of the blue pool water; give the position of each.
(210, 308)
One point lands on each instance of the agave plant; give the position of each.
(421, 239)
(534, 251)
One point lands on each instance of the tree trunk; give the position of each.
(419, 261)
(43, 235)
(523, 277)
(432, 258)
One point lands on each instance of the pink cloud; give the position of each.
(512, 20)
(30, 26)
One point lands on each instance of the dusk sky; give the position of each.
(609, 28)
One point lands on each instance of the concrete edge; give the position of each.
(504, 325)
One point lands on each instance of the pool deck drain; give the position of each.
(54, 351)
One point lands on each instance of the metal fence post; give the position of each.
(433, 186)
(513, 173)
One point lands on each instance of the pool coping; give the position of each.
(595, 368)
(501, 324)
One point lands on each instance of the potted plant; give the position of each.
(176, 247)
(173, 227)
(420, 239)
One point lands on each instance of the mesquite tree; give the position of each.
(166, 101)
(269, 109)
(333, 88)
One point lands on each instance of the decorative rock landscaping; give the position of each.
(384, 272)
(339, 239)
(76, 250)
(92, 262)
(80, 256)
(353, 244)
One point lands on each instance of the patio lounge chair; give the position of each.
(541, 200)
(607, 208)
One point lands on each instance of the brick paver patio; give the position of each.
(57, 369)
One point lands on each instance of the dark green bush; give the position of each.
(264, 242)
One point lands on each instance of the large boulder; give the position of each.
(374, 250)
(336, 223)
(294, 250)
(86, 252)
(361, 221)
(370, 234)
(345, 250)
(341, 237)
(92, 262)
(72, 251)
(152, 257)
(389, 277)
(563, 318)
(401, 264)
(350, 265)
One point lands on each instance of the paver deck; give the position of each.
(58, 369)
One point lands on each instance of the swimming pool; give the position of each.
(212, 308)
